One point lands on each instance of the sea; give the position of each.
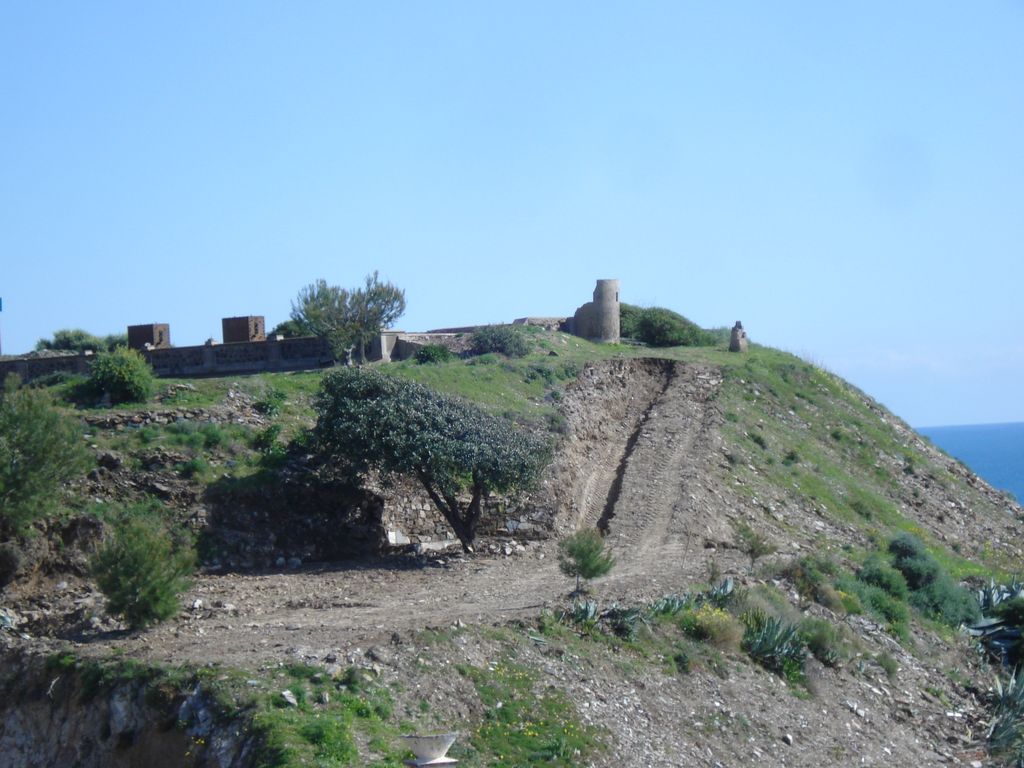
(993, 451)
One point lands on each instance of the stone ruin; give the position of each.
(153, 336)
(598, 320)
(738, 338)
(241, 329)
(246, 348)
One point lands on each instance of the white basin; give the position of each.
(429, 748)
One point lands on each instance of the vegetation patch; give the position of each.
(525, 722)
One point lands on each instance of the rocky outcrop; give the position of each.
(58, 712)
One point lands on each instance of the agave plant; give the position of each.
(623, 621)
(669, 605)
(774, 644)
(582, 613)
(1006, 732)
(719, 596)
(992, 595)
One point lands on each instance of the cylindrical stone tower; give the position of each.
(606, 314)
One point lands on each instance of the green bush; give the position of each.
(40, 449)
(503, 339)
(629, 320)
(880, 574)
(433, 353)
(1011, 611)
(713, 625)
(123, 374)
(660, 327)
(141, 570)
(822, 640)
(932, 589)
(893, 611)
(271, 402)
(811, 575)
(77, 340)
(753, 544)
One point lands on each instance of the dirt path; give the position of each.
(630, 462)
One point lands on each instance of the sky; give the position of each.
(845, 178)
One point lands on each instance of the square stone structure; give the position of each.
(157, 335)
(249, 328)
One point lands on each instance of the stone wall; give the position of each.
(410, 517)
(274, 354)
(34, 365)
(398, 345)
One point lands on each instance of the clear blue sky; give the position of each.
(846, 178)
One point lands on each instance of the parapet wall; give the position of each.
(32, 366)
(243, 357)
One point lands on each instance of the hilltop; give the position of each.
(674, 453)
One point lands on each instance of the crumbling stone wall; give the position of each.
(274, 354)
(36, 364)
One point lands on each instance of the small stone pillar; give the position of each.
(738, 338)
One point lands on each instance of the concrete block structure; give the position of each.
(598, 320)
(156, 335)
(241, 329)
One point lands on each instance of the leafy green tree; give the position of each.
(584, 556)
(77, 340)
(123, 374)
(375, 306)
(347, 318)
(40, 448)
(290, 329)
(369, 420)
(141, 570)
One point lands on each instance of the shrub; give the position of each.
(753, 544)
(1011, 611)
(629, 321)
(880, 574)
(433, 353)
(503, 339)
(893, 611)
(123, 374)
(660, 327)
(141, 570)
(947, 601)
(40, 449)
(713, 625)
(271, 402)
(933, 591)
(822, 640)
(265, 441)
(810, 575)
(584, 556)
